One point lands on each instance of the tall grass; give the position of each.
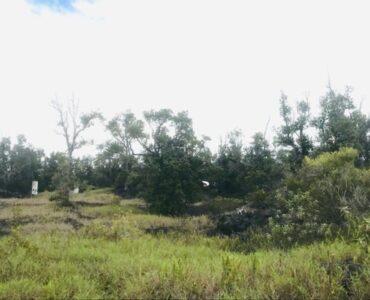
(122, 252)
(144, 266)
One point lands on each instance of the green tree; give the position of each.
(107, 165)
(263, 172)
(49, 168)
(362, 123)
(25, 166)
(173, 167)
(341, 124)
(113, 168)
(292, 136)
(126, 130)
(231, 167)
(129, 137)
(5, 149)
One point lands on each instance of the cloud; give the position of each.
(56, 5)
(61, 6)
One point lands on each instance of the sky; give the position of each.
(225, 62)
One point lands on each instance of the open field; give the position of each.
(107, 247)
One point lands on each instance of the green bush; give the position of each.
(313, 203)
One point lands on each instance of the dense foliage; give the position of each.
(161, 159)
(20, 164)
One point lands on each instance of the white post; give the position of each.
(35, 187)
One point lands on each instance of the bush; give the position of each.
(315, 203)
(332, 182)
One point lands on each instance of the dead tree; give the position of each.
(71, 126)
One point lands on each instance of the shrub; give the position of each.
(315, 203)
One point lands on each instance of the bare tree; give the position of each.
(72, 125)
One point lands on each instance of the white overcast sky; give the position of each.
(223, 61)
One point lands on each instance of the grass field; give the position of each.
(107, 247)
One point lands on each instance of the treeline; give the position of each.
(161, 159)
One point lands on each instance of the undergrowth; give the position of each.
(120, 251)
